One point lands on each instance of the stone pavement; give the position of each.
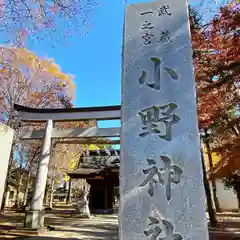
(99, 227)
(69, 226)
(66, 226)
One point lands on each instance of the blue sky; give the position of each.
(94, 59)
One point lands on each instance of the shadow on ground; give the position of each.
(11, 217)
(68, 225)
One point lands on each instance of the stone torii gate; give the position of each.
(34, 218)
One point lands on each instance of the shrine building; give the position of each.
(100, 168)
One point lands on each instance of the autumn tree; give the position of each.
(216, 59)
(63, 156)
(31, 81)
(216, 47)
(24, 168)
(37, 20)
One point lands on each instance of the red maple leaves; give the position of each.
(216, 48)
(216, 60)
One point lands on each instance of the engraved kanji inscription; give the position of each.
(170, 173)
(165, 37)
(157, 74)
(145, 13)
(147, 25)
(155, 229)
(161, 230)
(153, 117)
(152, 173)
(147, 38)
(164, 10)
(156, 82)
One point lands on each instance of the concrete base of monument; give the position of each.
(34, 220)
(82, 209)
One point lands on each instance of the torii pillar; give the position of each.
(34, 217)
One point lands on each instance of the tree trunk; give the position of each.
(217, 205)
(46, 196)
(30, 163)
(17, 200)
(25, 198)
(236, 187)
(51, 194)
(211, 212)
(238, 197)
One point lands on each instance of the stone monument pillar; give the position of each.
(6, 138)
(162, 193)
(34, 218)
